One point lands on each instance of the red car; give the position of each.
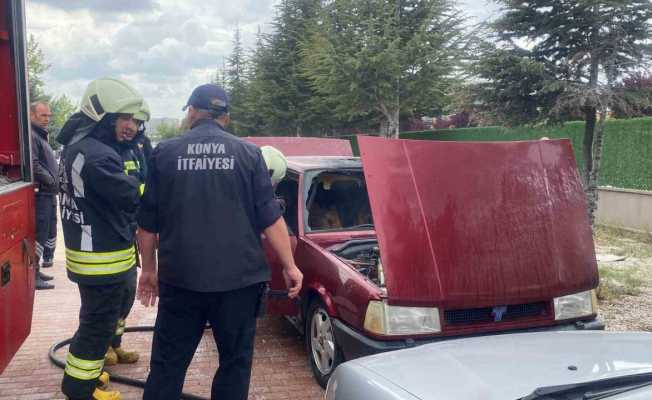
(419, 241)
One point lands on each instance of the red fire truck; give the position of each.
(16, 189)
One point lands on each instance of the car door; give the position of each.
(287, 194)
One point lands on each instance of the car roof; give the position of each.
(305, 163)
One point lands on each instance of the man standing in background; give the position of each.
(46, 175)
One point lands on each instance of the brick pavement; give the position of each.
(280, 369)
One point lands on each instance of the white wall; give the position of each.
(631, 209)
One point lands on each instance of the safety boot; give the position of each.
(103, 381)
(110, 358)
(100, 394)
(126, 357)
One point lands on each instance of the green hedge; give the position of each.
(627, 159)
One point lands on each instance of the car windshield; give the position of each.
(337, 200)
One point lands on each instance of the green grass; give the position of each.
(625, 278)
(629, 244)
(619, 281)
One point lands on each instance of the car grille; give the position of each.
(485, 315)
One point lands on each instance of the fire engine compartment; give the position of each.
(13, 108)
(16, 193)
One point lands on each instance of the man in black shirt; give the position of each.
(209, 197)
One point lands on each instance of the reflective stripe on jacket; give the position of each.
(96, 263)
(98, 209)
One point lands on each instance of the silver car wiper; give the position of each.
(593, 390)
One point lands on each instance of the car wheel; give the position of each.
(324, 354)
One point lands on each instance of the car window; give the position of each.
(338, 201)
(288, 192)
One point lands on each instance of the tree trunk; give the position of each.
(394, 124)
(390, 126)
(587, 148)
(592, 187)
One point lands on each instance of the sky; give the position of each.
(164, 48)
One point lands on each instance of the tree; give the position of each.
(36, 67)
(386, 57)
(236, 81)
(281, 96)
(62, 108)
(166, 130)
(563, 58)
(636, 93)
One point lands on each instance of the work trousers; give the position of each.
(180, 324)
(46, 226)
(128, 297)
(98, 318)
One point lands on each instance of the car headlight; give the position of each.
(576, 305)
(383, 319)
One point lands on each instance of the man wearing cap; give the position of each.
(209, 197)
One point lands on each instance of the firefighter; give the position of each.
(135, 164)
(276, 163)
(208, 195)
(46, 185)
(141, 142)
(98, 206)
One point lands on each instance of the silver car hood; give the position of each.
(507, 367)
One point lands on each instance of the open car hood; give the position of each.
(300, 146)
(478, 224)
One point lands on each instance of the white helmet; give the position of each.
(110, 96)
(276, 163)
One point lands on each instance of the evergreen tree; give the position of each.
(281, 95)
(236, 84)
(575, 53)
(36, 67)
(387, 57)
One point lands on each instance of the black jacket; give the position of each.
(209, 196)
(98, 206)
(140, 151)
(44, 164)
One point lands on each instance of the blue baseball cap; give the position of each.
(209, 97)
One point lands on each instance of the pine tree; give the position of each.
(283, 94)
(36, 67)
(576, 52)
(236, 84)
(387, 57)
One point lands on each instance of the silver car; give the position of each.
(530, 366)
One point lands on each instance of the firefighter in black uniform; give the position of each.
(98, 206)
(46, 175)
(209, 197)
(135, 164)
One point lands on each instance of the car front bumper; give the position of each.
(354, 344)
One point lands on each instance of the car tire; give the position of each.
(324, 354)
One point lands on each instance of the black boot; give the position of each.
(39, 283)
(45, 277)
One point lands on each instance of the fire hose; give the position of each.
(114, 377)
(139, 382)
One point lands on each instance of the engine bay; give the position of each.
(364, 256)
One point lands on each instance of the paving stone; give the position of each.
(280, 369)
